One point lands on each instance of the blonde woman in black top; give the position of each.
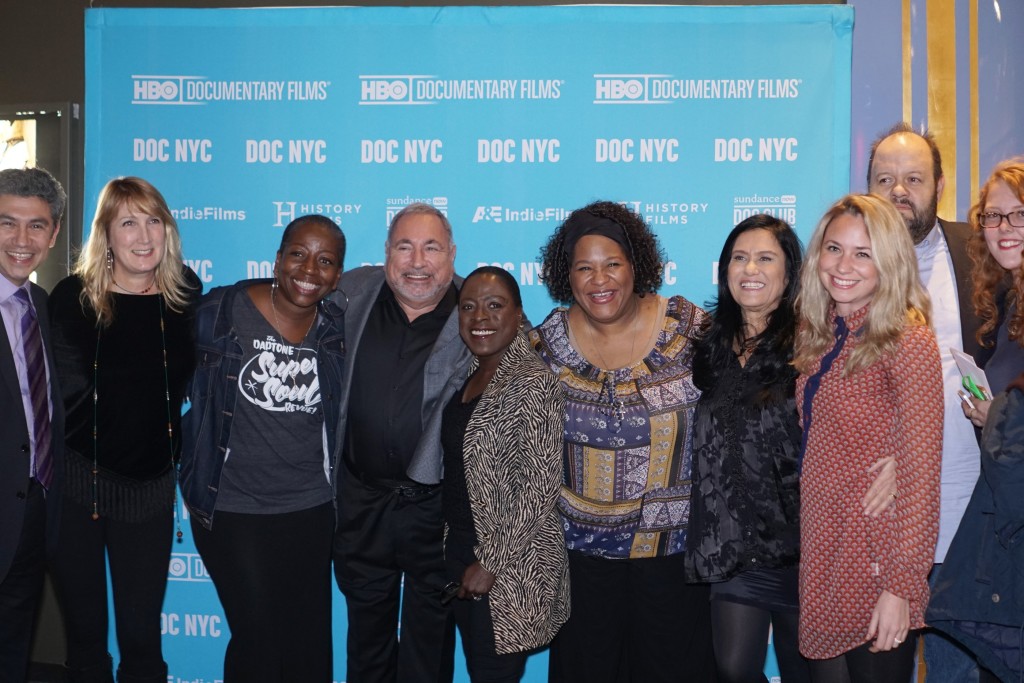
(122, 337)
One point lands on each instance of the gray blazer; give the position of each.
(448, 358)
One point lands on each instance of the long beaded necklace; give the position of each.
(170, 425)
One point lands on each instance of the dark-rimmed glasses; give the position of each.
(993, 219)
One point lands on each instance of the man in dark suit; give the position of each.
(905, 167)
(403, 343)
(31, 431)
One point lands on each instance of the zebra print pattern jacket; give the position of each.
(513, 460)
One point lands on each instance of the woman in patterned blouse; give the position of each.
(870, 386)
(622, 355)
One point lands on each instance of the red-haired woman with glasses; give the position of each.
(979, 590)
(996, 248)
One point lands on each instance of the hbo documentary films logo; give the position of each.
(161, 89)
(187, 567)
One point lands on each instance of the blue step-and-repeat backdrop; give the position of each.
(504, 118)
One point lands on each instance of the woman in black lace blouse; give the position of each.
(744, 531)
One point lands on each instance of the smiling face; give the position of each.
(601, 278)
(137, 242)
(308, 266)
(757, 275)
(903, 172)
(489, 318)
(1005, 243)
(27, 232)
(420, 262)
(845, 265)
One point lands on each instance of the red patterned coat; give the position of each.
(893, 407)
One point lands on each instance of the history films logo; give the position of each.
(340, 212)
(675, 211)
(199, 90)
(782, 207)
(396, 204)
(187, 567)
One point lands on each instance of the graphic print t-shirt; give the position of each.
(276, 454)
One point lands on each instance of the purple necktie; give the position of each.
(36, 367)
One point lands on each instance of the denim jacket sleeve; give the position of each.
(206, 427)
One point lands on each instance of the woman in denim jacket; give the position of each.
(979, 592)
(258, 443)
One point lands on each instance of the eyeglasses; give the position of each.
(993, 219)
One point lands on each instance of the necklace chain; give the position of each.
(125, 289)
(616, 409)
(277, 321)
(597, 348)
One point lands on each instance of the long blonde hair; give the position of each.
(91, 265)
(987, 274)
(900, 299)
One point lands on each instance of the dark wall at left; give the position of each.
(44, 51)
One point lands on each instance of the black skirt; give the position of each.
(776, 589)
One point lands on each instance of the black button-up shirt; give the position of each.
(386, 399)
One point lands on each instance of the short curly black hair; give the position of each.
(646, 257)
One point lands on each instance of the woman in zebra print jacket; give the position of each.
(502, 438)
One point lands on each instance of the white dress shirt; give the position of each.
(961, 461)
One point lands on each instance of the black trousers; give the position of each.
(473, 618)
(384, 536)
(21, 588)
(139, 553)
(740, 634)
(633, 621)
(273, 578)
(860, 665)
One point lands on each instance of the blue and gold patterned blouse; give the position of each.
(628, 439)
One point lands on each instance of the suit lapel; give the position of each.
(956, 244)
(8, 371)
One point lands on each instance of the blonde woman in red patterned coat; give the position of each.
(870, 387)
